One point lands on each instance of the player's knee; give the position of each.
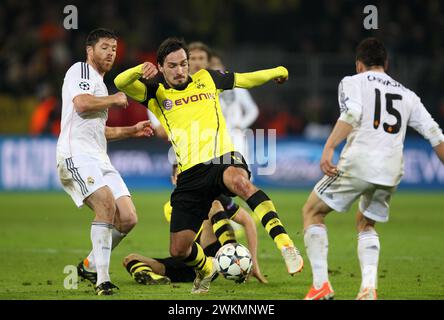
(216, 207)
(129, 258)
(131, 219)
(243, 186)
(179, 251)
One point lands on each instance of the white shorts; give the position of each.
(82, 175)
(339, 193)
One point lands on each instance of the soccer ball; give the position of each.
(234, 262)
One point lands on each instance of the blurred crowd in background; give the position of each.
(315, 39)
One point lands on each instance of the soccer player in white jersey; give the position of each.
(84, 167)
(375, 112)
(239, 109)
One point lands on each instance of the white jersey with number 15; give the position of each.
(380, 109)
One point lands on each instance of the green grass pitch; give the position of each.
(41, 233)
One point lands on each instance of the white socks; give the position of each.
(101, 238)
(316, 245)
(368, 253)
(117, 236)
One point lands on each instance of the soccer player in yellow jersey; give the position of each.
(188, 108)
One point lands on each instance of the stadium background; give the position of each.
(315, 40)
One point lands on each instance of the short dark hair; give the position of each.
(95, 35)
(197, 45)
(371, 52)
(170, 45)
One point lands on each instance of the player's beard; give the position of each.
(181, 86)
(106, 65)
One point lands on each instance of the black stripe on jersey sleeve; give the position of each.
(222, 80)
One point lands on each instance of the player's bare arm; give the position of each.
(90, 103)
(341, 131)
(140, 129)
(244, 219)
(439, 150)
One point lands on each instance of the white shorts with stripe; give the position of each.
(83, 175)
(341, 191)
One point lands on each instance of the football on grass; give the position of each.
(234, 262)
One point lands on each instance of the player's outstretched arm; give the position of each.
(341, 131)
(244, 219)
(90, 103)
(141, 129)
(439, 150)
(128, 81)
(257, 78)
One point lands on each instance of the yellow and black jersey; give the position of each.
(192, 116)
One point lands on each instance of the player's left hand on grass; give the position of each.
(257, 273)
(143, 129)
(326, 162)
(149, 70)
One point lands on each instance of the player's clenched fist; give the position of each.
(149, 70)
(284, 75)
(120, 100)
(143, 129)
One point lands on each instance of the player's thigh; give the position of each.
(126, 211)
(80, 177)
(375, 203)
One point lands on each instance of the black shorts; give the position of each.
(178, 271)
(197, 188)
